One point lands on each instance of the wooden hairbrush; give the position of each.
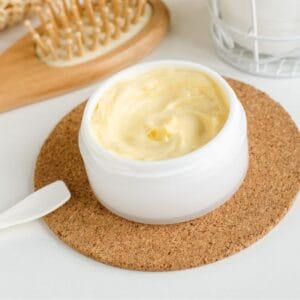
(78, 42)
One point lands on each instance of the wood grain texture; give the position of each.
(25, 79)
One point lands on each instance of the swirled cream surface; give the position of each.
(160, 114)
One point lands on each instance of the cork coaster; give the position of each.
(264, 198)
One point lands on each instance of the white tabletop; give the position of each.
(34, 263)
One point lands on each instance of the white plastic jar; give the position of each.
(172, 190)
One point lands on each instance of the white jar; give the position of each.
(172, 190)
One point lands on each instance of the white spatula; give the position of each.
(36, 205)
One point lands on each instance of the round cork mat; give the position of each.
(264, 198)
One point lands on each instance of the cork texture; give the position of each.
(267, 193)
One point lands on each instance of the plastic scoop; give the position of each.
(36, 205)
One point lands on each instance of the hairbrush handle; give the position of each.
(25, 79)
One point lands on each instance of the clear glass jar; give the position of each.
(260, 37)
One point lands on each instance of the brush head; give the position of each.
(74, 31)
(14, 11)
(20, 64)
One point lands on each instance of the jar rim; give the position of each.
(132, 165)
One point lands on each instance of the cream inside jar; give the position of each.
(159, 114)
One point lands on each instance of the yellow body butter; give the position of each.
(160, 114)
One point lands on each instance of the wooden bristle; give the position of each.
(69, 33)
(126, 16)
(144, 2)
(107, 34)
(117, 28)
(41, 45)
(96, 34)
(78, 4)
(90, 11)
(116, 7)
(76, 16)
(53, 9)
(103, 14)
(75, 11)
(30, 28)
(69, 46)
(36, 37)
(51, 18)
(106, 26)
(52, 49)
(79, 42)
(64, 20)
(116, 21)
(139, 11)
(66, 8)
(53, 34)
(41, 17)
(82, 25)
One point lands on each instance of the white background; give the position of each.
(34, 263)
